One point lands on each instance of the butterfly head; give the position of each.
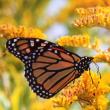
(84, 64)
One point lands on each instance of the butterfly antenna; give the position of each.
(91, 76)
(93, 80)
(98, 72)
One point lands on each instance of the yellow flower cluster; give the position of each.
(92, 10)
(9, 31)
(89, 3)
(39, 104)
(96, 16)
(106, 77)
(102, 57)
(74, 41)
(86, 92)
(64, 100)
(80, 41)
(96, 45)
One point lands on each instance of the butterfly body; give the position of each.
(48, 67)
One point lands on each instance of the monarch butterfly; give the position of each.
(48, 66)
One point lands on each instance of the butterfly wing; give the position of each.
(24, 48)
(48, 67)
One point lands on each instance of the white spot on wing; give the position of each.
(15, 40)
(37, 40)
(56, 51)
(9, 42)
(46, 42)
(32, 44)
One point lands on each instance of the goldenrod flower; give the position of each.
(92, 10)
(45, 105)
(37, 105)
(80, 41)
(106, 77)
(64, 100)
(95, 16)
(74, 41)
(102, 57)
(9, 31)
(89, 3)
(96, 45)
(102, 102)
(91, 20)
(89, 107)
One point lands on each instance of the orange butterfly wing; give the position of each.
(53, 71)
(48, 67)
